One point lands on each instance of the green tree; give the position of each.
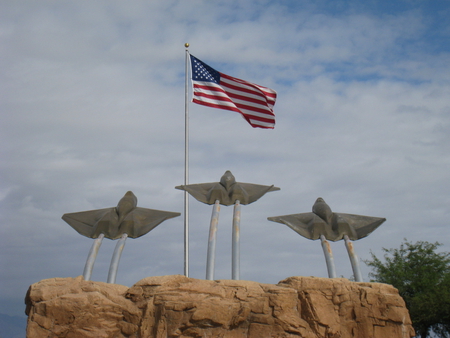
(422, 277)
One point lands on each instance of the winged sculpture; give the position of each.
(334, 226)
(325, 225)
(227, 191)
(120, 222)
(126, 217)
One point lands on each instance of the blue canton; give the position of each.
(202, 72)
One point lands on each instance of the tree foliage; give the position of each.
(422, 277)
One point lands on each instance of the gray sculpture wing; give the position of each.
(142, 220)
(91, 223)
(206, 192)
(135, 224)
(248, 193)
(306, 224)
(356, 226)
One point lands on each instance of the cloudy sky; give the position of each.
(92, 105)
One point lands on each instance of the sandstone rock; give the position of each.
(72, 307)
(177, 306)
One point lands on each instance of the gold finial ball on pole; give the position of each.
(186, 45)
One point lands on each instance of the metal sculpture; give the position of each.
(325, 225)
(226, 192)
(120, 222)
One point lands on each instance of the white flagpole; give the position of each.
(186, 166)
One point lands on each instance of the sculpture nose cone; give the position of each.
(227, 179)
(126, 204)
(321, 209)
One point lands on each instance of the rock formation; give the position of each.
(177, 306)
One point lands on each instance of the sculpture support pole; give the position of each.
(235, 259)
(116, 258)
(329, 259)
(353, 259)
(92, 256)
(211, 257)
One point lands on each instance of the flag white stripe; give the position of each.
(260, 123)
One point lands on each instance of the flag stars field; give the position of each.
(205, 73)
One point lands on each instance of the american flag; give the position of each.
(214, 89)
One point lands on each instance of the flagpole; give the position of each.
(186, 165)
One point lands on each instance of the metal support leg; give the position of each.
(116, 258)
(92, 256)
(353, 259)
(328, 257)
(235, 259)
(211, 256)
